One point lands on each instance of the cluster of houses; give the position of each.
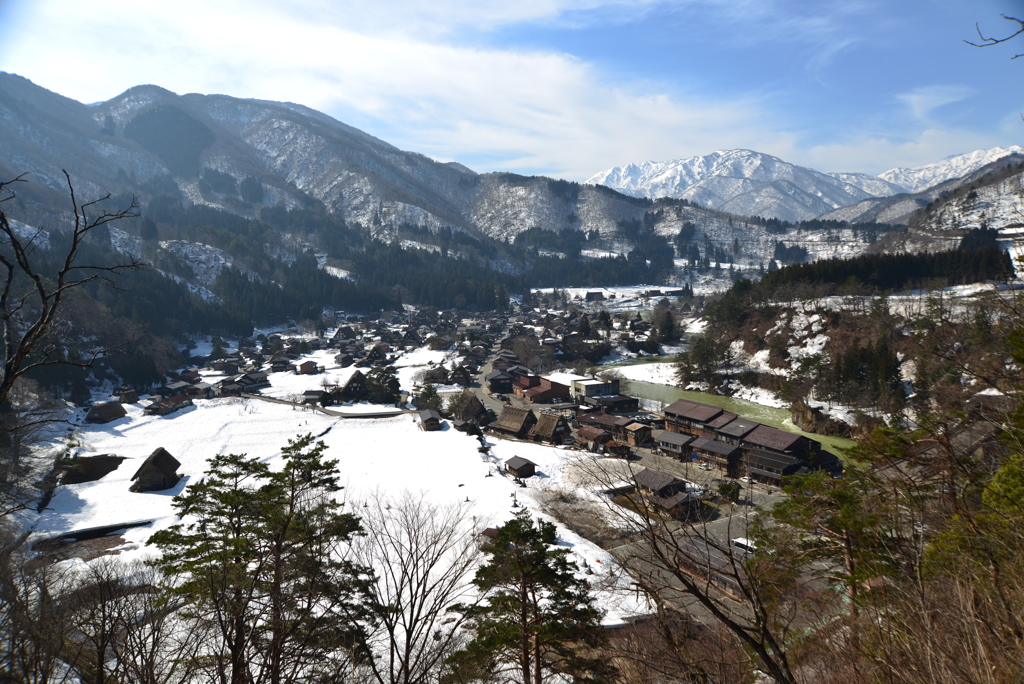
(593, 414)
(738, 445)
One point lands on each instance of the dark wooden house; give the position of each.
(498, 381)
(521, 467)
(157, 472)
(128, 396)
(459, 376)
(307, 368)
(673, 444)
(167, 406)
(593, 437)
(430, 421)
(721, 454)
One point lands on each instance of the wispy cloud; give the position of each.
(428, 77)
(524, 109)
(924, 100)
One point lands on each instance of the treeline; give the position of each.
(899, 271)
(303, 292)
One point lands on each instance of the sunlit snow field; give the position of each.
(391, 455)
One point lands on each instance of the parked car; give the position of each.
(746, 480)
(705, 466)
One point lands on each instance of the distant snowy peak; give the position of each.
(671, 178)
(921, 177)
(754, 183)
(872, 185)
(742, 182)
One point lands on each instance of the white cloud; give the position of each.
(525, 109)
(924, 100)
(424, 77)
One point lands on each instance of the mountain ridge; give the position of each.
(754, 183)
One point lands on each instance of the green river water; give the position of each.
(775, 417)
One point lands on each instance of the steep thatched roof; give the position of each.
(162, 461)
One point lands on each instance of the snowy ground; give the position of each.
(660, 373)
(388, 454)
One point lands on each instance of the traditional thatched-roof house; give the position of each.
(460, 375)
(551, 428)
(472, 410)
(515, 421)
(104, 413)
(157, 472)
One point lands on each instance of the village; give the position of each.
(497, 375)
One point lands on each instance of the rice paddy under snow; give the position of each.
(390, 455)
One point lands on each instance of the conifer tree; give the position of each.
(538, 616)
(258, 559)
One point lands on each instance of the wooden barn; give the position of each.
(521, 467)
(157, 472)
(104, 413)
(128, 396)
(430, 420)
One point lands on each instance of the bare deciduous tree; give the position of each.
(33, 332)
(424, 555)
(30, 301)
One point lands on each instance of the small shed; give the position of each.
(521, 467)
(157, 472)
(128, 397)
(430, 420)
(104, 413)
(307, 368)
(637, 434)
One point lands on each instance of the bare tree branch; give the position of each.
(986, 41)
(28, 318)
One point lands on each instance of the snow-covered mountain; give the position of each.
(921, 177)
(753, 183)
(744, 182)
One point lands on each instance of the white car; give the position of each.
(705, 466)
(746, 480)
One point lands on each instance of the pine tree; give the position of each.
(538, 616)
(259, 560)
(430, 398)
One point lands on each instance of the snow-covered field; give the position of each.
(660, 373)
(386, 454)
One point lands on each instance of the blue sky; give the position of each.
(566, 87)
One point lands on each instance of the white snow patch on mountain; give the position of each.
(921, 177)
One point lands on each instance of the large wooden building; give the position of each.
(742, 446)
